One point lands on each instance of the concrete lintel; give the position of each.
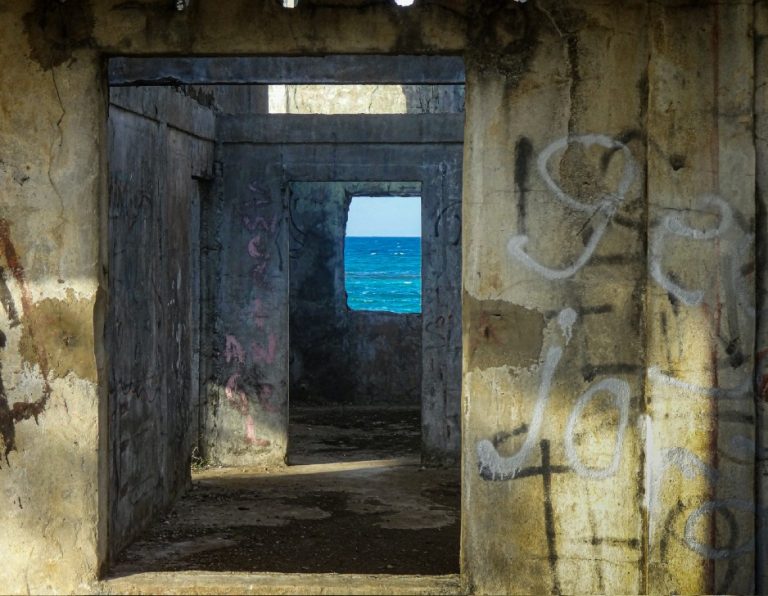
(341, 129)
(168, 106)
(263, 70)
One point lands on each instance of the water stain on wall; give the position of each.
(63, 327)
(55, 29)
(506, 334)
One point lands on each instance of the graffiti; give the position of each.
(264, 356)
(566, 320)
(620, 392)
(710, 507)
(736, 264)
(493, 466)
(246, 390)
(233, 350)
(10, 416)
(674, 225)
(606, 205)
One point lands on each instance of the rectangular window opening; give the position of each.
(382, 254)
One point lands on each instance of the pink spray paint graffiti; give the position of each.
(262, 355)
(246, 389)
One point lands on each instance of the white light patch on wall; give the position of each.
(278, 99)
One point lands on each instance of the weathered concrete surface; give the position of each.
(386, 349)
(53, 185)
(161, 145)
(761, 298)
(280, 152)
(50, 176)
(539, 72)
(196, 582)
(701, 318)
(554, 277)
(247, 381)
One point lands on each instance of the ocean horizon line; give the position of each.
(382, 236)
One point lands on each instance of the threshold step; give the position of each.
(196, 582)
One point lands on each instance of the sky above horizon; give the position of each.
(384, 217)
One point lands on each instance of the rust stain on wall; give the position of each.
(12, 415)
(504, 333)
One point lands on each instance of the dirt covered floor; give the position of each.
(356, 500)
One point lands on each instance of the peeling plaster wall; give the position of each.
(612, 451)
(53, 189)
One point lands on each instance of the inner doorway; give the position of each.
(355, 321)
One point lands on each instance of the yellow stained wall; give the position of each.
(609, 294)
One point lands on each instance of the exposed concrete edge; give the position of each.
(341, 129)
(168, 105)
(196, 582)
(264, 70)
(303, 469)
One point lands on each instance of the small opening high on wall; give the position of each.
(382, 254)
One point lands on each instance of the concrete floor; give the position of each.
(357, 502)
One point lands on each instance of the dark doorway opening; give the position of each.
(355, 391)
(242, 315)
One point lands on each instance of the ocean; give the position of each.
(383, 274)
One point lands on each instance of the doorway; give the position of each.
(252, 316)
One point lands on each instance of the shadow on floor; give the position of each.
(387, 516)
(353, 433)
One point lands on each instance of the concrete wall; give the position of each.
(623, 437)
(761, 285)
(339, 355)
(246, 392)
(610, 344)
(158, 153)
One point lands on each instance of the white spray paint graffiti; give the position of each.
(690, 467)
(606, 205)
(673, 224)
(566, 320)
(736, 255)
(709, 508)
(620, 391)
(493, 466)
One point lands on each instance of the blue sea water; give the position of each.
(383, 274)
